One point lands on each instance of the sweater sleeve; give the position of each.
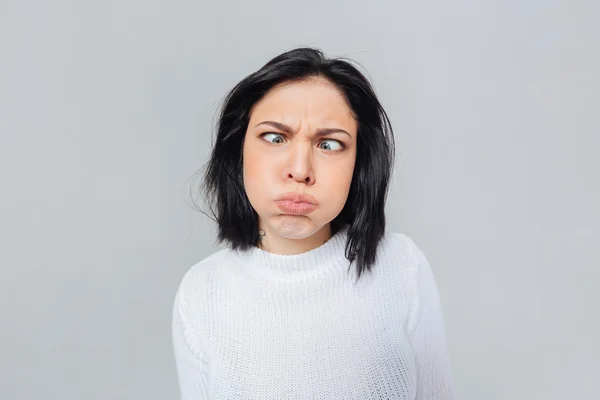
(191, 368)
(427, 334)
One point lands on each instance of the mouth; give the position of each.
(297, 203)
(292, 208)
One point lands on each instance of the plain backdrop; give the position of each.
(106, 113)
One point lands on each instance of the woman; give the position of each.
(313, 298)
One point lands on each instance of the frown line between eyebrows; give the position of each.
(289, 130)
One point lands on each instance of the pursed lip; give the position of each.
(298, 198)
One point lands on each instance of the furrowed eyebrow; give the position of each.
(289, 130)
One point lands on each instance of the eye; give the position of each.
(331, 145)
(272, 137)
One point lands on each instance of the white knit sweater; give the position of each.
(256, 325)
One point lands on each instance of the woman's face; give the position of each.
(301, 139)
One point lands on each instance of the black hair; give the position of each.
(363, 213)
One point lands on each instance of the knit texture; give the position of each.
(257, 325)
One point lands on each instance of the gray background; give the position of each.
(106, 112)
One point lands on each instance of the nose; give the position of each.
(300, 163)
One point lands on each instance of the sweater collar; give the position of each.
(318, 262)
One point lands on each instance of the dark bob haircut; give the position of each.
(363, 214)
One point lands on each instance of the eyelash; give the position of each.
(342, 145)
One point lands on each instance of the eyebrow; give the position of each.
(290, 131)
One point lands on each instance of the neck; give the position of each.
(273, 242)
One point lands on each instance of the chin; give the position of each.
(294, 227)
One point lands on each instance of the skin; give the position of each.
(301, 161)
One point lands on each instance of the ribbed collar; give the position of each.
(327, 259)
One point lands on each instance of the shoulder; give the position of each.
(400, 246)
(196, 282)
(399, 252)
(189, 312)
(410, 270)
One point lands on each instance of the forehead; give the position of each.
(315, 99)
